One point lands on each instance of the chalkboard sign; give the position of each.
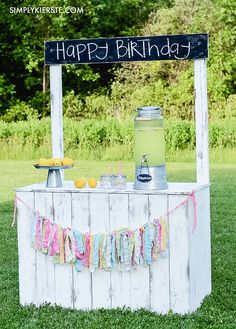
(127, 49)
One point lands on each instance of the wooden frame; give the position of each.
(200, 88)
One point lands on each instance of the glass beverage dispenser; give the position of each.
(150, 169)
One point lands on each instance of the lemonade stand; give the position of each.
(143, 246)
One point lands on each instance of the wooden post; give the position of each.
(201, 121)
(56, 111)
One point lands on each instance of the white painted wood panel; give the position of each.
(45, 265)
(120, 279)
(201, 120)
(206, 223)
(82, 280)
(26, 252)
(199, 251)
(139, 278)
(179, 255)
(63, 272)
(56, 112)
(159, 271)
(99, 221)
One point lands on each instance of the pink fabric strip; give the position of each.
(141, 239)
(87, 250)
(47, 231)
(38, 240)
(55, 243)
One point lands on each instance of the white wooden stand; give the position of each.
(178, 281)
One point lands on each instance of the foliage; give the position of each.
(101, 90)
(23, 74)
(170, 84)
(105, 139)
(218, 310)
(73, 106)
(20, 111)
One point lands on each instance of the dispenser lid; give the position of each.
(149, 111)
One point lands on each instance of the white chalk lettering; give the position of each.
(143, 41)
(61, 50)
(121, 48)
(80, 51)
(133, 49)
(106, 52)
(70, 51)
(174, 48)
(167, 47)
(150, 47)
(188, 48)
(90, 50)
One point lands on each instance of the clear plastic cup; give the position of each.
(106, 181)
(119, 182)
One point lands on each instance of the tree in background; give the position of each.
(23, 75)
(170, 84)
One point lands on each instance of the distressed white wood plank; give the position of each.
(207, 239)
(120, 279)
(45, 265)
(56, 112)
(200, 251)
(68, 186)
(82, 280)
(63, 273)
(159, 271)
(26, 252)
(139, 278)
(201, 120)
(179, 255)
(99, 221)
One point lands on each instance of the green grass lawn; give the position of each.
(217, 311)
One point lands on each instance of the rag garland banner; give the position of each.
(122, 249)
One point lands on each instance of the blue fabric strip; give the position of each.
(147, 246)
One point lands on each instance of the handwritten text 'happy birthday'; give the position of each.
(121, 49)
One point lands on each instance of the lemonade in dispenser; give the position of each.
(149, 149)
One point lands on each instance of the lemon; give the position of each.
(80, 182)
(57, 161)
(43, 162)
(67, 162)
(50, 162)
(92, 182)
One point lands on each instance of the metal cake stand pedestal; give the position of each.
(54, 175)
